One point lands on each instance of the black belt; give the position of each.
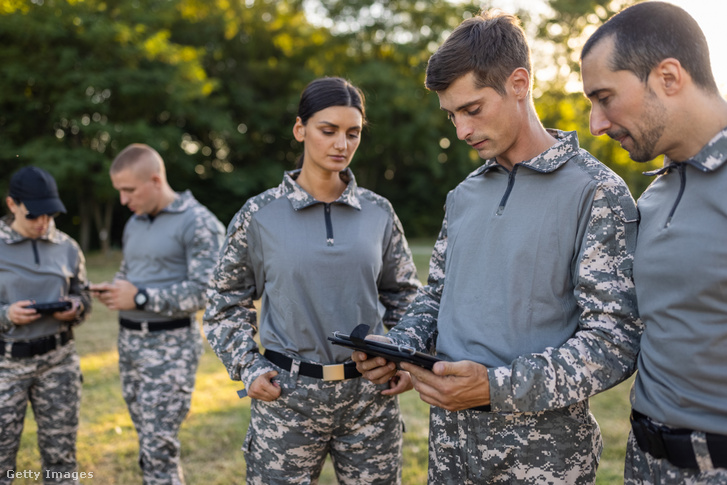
(675, 445)
(155, 326)
(334, 372)
(21, 349)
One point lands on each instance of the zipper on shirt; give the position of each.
(682, 185)
(35, 251)
(510, 184)
(329, 224)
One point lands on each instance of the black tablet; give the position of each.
(51, 307)
(395, 353)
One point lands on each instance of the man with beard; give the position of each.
(648, 76)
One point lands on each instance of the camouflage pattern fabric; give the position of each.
(173, 262)
(603, 350)
(230, 320)
(288, 439)
(643, 469)
(52, 384)
(158, 372)
(369, 267)
(600, 353)
(179, 299)
(555, 447)
(62, 272)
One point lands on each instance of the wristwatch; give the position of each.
(141, 298)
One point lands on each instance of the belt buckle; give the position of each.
(334, 372)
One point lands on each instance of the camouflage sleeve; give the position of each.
(5, 323)
(603, 351)
(399, 282)
(123, 271)
(79, 285)
(418, 326)
(202, 248)
(230, 321)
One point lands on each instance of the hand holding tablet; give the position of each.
(393, 352)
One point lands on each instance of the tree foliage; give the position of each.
(214, 86)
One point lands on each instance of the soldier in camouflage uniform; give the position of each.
(323, 255)
(38, 359)
(170, 246)
(647, 73)
(530, 300)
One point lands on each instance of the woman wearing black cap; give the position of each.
(38, 361)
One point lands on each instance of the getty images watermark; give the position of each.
(75, 476)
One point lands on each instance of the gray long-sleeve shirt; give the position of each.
(531, 277)
(317, 267)
(45, 269)
(680, 270)
(172, 256)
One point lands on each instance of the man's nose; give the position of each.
(464, 130)
(599, 123)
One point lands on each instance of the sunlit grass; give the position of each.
(213, 433)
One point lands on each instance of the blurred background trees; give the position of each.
(214, 86)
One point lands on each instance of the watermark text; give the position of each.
(48, 474)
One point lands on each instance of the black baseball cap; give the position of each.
(37, 189)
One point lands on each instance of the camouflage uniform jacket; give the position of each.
(44, 269)
(317, 267)
(531, 277)
(171, 255)
(680, 270)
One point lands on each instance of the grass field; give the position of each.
(214, 430)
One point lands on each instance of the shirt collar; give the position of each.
(181, 203)
(302, 199)
(550, 160)
(712, 156)
(9, 236)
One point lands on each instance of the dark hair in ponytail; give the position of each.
(325, 92)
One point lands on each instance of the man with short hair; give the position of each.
(170, 246)
(647, 73)
(529, 301)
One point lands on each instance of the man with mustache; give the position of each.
(648, 76)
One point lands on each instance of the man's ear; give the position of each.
(519, 81)
(670, 76)
(156, 179)
(299, 129)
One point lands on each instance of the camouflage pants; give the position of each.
(643, 469)
(52, 384)
(158, 371)
(288, 439)
(552, 447)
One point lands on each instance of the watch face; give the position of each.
(140, 299)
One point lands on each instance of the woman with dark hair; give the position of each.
(323, 255)
(42, 296)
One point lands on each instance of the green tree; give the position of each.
(409, 153)
(214, 86)
(560, 101)
(81, 80)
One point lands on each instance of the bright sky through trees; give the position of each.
(710, 15)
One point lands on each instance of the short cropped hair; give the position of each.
(491, 44)
(647, 33)
(135, 153)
